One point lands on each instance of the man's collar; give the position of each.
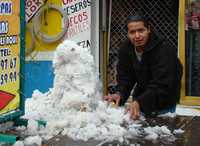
(154, 40)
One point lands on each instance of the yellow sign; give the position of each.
(9, 55)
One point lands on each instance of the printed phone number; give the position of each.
(8, 77)
(8, 63)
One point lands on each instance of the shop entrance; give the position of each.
(163, 16)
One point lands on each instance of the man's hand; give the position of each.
(112, 98)
(134, 109)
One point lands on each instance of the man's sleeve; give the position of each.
(125, 77)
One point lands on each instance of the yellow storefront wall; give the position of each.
(51, 24)
(10, 62)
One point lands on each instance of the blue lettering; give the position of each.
(5, 8)
(3, 27)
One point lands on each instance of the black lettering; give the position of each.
(89, 2)
(72, 7)
(88, 43)
(80, 6)
(28, 14)
(79, 43)
(2, 79)
(85, 4)
(76, 7)
(84, 44)
(68, 10)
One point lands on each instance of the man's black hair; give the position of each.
(137, 17)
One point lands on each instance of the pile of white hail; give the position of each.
(73, 107)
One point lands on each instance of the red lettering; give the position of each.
(33, 8)
(80, 18)
(85, 16)
(75, 20)
(70, 21)
(37, 2)
(28, 3)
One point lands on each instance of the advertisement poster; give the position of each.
(79, 21)
(9, 55)
(32, 6)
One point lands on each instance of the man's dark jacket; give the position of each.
(158, 75)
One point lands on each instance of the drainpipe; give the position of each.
(105, 9)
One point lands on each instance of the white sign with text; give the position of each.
(79, 21)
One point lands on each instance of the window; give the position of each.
(189, 50)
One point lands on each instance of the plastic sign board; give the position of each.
(9, 56)
(32, 6)
(79, 21)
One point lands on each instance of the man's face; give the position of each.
(138, 34)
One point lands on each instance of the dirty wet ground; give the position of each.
(190, 137)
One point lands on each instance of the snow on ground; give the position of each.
(73, 106)
(29, 141)
(187, 111)
(178, 131)
(19, 143)
(182, 111)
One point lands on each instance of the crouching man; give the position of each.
(148, 69)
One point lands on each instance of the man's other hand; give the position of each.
(134, 110)
(112, 98)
